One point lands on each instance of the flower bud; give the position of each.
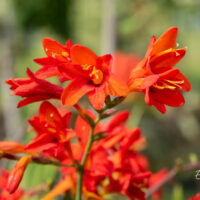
(17, 173)
(11, 147)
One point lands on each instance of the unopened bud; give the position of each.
(17, 173)
(11, 147)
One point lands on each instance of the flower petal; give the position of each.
(166, 60)
(165, 41)
(50, 114)
(68, 44)
(41, 143)
(123, 64)
(47, 61)
(116, 87)
(52, 47)
(36, 98)
(64, 185)
(169, 97)
(140, 84)
(47, 72)
(97, 97)
(150, 101)
(104, 62)
(186, 85)
(117, 120)
(170, 73)
(74, 91)
(150, 47)
(71, 71)
(82, 55)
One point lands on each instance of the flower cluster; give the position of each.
(95, 75)
(94, 157)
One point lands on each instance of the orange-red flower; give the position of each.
(155, 75)
(113, 165)
(56, 54)
(33, 89)
(129, 174)
(91, 75)
(53, 134)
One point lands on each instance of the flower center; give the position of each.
(96, 75)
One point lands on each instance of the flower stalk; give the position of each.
(36, 159)
(80, 169)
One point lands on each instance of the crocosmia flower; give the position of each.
(53, 135)
(155, 75)
(91, 75)
(56, 54)
(33, 89)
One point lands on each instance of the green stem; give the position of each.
(79, 184)
(37, 159)
(80, 169)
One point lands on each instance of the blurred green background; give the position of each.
(106, 26)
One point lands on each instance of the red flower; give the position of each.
(56, 54)
(130, 173)
(53, 135)
(114, 159)
(91, 75)
(155, 75)
(33, 89)
(196, 197)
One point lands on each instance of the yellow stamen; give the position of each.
(163, 84)
(175, 82)
(86, 67)
(65, 54)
